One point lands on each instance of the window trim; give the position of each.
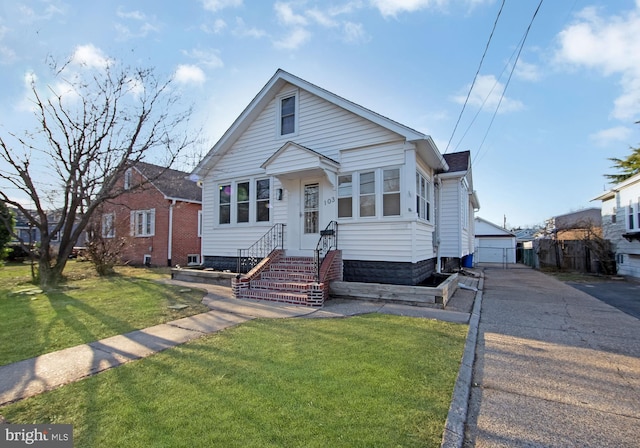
(148, 223)
(349, 196)
(428, 198)
(252, 201)
(397, 192)
(295, 93)
(258, 201)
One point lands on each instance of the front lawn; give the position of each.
(367, 381)
(85, 308)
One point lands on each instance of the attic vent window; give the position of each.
(288, 115)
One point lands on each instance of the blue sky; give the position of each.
(570, 104)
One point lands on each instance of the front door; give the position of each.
(310, 215)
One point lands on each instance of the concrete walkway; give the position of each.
(554, 367)
(36, 375)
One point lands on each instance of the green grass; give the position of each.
(367, 381)
(85, 308)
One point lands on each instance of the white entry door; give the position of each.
(310, 214)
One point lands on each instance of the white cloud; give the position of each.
(217, 5)
(610, 45)
(218, 26)
(134, 15)
(189, 74)
(210, 58)
(616, 134)
(322, 18)
(393, 7)
(286, 16)
(90, 56)
(243, 30)
(295, 39)
(355, 33)
(486, 93)
(526, 71)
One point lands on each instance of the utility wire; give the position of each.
(524, 39)
(486, 48)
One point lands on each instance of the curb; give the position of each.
(453, 436)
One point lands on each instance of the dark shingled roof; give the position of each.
(457, 161)
(172, 183)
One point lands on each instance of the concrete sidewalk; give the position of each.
(554, 367)
(36, 375)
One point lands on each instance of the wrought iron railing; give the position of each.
(328, 241)
(270, 241)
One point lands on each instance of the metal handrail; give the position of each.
(328, 240)
(270, 241)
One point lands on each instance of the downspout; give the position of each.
(170, 238)
(436, 212)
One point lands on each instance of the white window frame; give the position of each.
(345, 196)
(397, 192)
(193, 263)
(108, 225)
(375, 194)
(630, 216)
(143, 223)
(284, 95)
(253, 202)
(424, 198)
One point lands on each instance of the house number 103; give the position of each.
(330, 200)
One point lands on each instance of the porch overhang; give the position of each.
(293, 161)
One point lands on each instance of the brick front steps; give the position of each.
(281, 278)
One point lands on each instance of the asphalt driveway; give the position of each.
(621, 294)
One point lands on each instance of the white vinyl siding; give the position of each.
(357, 145)
(403, 241)
(322, 126)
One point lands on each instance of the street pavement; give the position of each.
(622, 294)
(554, 367)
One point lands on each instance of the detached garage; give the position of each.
(493, 243)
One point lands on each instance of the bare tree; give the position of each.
(90, 128)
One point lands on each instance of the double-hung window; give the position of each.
(225, 204)
(368, 194)
(143, 222)
(288, 115)
(242, 201)
(423, 197)
(391, 192)
(345, 198)
(630, 215)
(263, 193)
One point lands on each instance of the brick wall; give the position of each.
(185, 227)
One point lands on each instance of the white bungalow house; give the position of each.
(621, 224)
(305, 178)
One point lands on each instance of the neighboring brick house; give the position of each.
(159, 214)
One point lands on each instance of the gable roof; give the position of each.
(424, 143)
(173, 184)
(491, 229)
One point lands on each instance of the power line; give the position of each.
(524, 39)
(486, 48)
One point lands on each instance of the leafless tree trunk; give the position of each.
(90, 129)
